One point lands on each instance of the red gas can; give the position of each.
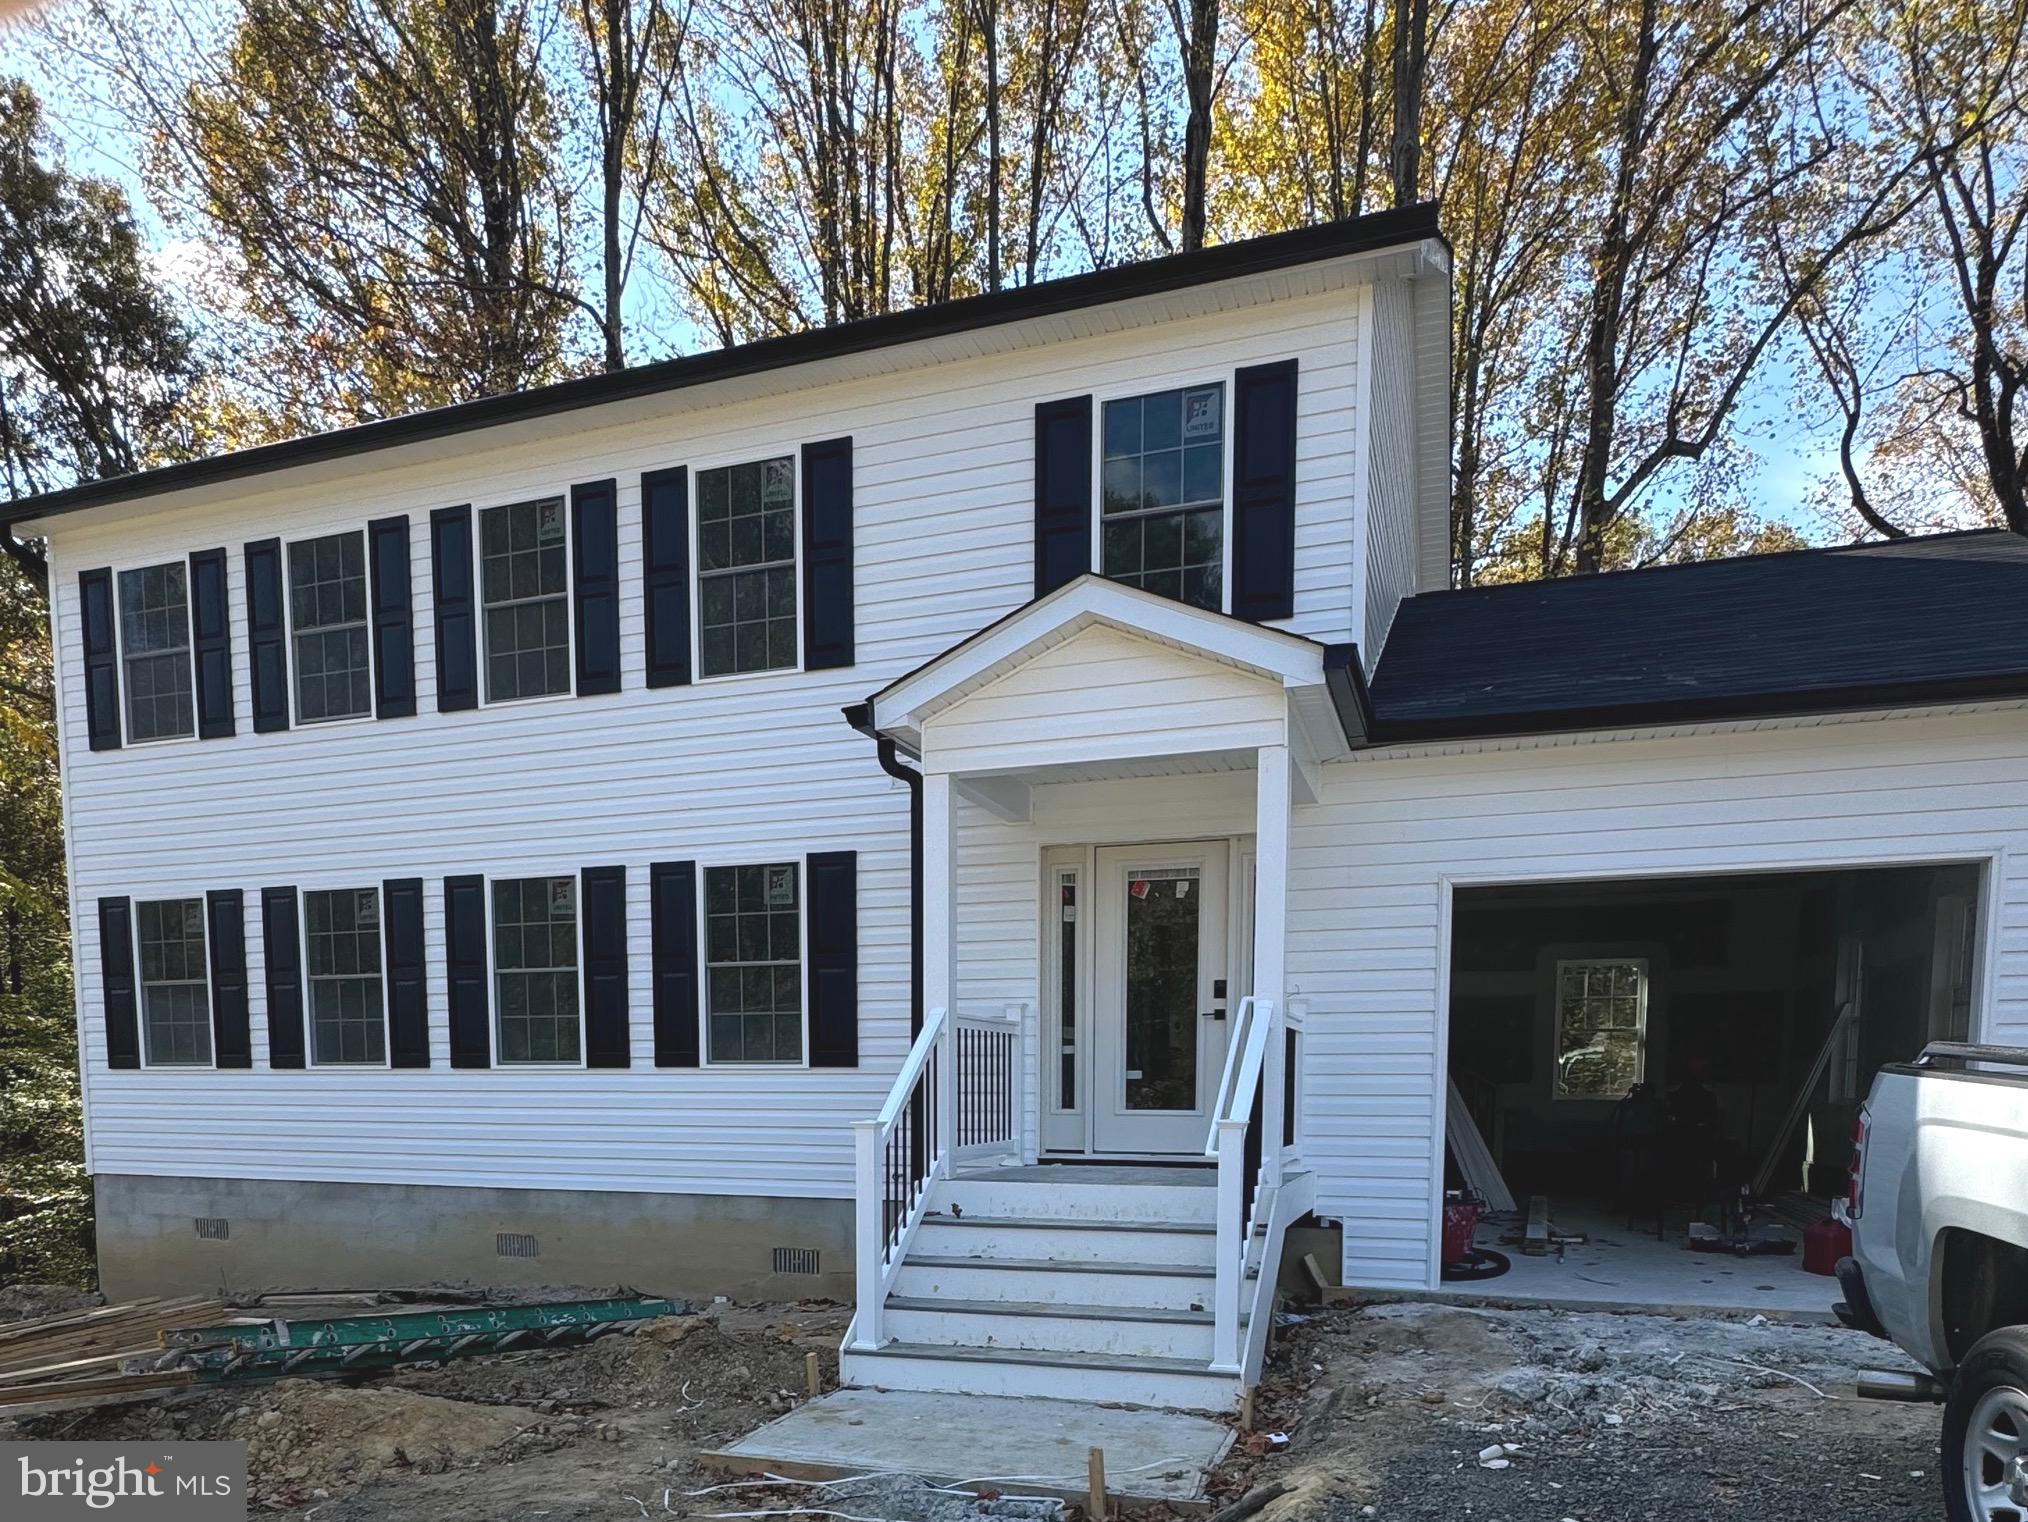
(1824, 1244)
(1461, 1220)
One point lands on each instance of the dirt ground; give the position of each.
(1390, 1412)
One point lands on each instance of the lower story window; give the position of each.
(535, 969)
(348, 1020)
(175, 987)
(753, 951)
(1601, 1027)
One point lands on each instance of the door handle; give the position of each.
(1214, 1014)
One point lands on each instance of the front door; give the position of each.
(1159, 1027)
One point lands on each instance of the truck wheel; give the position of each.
(1985, 1432)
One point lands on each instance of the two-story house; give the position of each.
(793, 810)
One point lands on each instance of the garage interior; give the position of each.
(1639, 1051)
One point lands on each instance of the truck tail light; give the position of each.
(1855, 1179)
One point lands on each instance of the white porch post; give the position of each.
(1273, 798)
(940, 945)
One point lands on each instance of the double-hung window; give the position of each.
(524, 571)
(348, 1007)
(746, 567)
(1162, 524)
(1601, 1027)
(327, 617)
(175, 982)
(753, 953)
(155, 651)
(535, 969)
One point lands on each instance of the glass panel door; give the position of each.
(1158, 1012)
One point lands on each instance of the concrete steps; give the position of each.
(1057, 1281)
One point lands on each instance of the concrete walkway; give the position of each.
(1018, 1446)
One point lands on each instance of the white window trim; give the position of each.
(539, 493)
(1225, 377)
(696, 528)
(1057, 864)
(146, 563)
(303, 891)
(494, 1059)
(289, 637)
(140, 990)
(757, 857)
(1556, 1093)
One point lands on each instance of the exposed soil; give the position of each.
(1392, 1412)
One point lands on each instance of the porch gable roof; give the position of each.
(1301, 666)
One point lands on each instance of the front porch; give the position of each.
(1109, 784)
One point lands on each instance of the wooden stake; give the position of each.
(1095, 1504)
(1246, 1410)
(813, 1376)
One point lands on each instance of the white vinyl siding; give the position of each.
(733, 769)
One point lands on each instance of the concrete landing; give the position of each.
(1018, 1446)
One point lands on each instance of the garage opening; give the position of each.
(1656, 1060)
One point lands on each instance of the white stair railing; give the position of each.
(958, 1095)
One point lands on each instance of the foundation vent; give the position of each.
(796, 1260)
(213, 1228)
(516, 1244)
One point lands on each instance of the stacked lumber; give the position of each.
(78, 1355)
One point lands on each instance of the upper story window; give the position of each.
(525, 579)
(175, 985)
(327, 612)
(155, 651)
(348, 1018)
(746, 567)
(535, 969)
(753, 953)
(1163, 493)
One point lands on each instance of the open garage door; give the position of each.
(1642, 1052)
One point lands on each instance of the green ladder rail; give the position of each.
(252, 1350)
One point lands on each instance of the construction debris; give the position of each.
(150, 1346)
(84, 1355)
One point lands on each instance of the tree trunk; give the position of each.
(1411, 43)
(1200, 56)
(989, 27)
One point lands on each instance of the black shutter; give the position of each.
(465, 966)
(665, 576)
(1062, 492)
(116, 983)
(603, 902)
(211, 640)
(595, 589)
(408, 1005)
(834, 959)
(672, 913)
(282, 948)
(267, 636)
(456, 615)
(393, 618)
(101, 659)
(1264, 491)
(827, 554)
(231, 1037)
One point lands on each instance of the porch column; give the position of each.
(939, 943)
(1273, 798)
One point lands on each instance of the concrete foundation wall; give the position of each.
(298, 1235)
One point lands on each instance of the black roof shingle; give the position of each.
(1937, 619)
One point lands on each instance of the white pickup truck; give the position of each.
(1939, 1209)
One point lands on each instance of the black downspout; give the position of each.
(860, 717)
